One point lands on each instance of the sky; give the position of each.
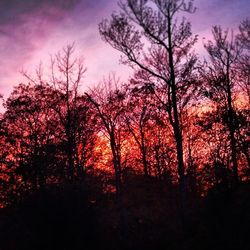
(32, 30)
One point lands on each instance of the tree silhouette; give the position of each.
(108, 102)
(243, 38)
(139, 112)
(167, 60)
(224, 54)
(66, 77)
(26, 131)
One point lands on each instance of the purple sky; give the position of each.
(31, 30)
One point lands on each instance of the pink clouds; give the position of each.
(29, 34)
(21, 34)
(31, 30)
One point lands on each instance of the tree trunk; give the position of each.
(117, 167)
(145, 162)
(231, 126)
(176, 123)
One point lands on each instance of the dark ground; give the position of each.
(69, 217)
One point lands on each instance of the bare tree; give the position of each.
(155, 42)
(244, 36)
(108, 102)
(243, 39)
(138, 113)
(243, 78)
(220, 75)
(72, 115)
(66, 77)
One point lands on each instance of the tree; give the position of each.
(108, 102)
(48, 127)
(27, 158)
(165, 58)
(66, 77)
(138, 114)
(221, 78)
(243, 78)
(72, 116)
(243, 38)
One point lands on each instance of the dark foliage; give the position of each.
(56, 217)
(64, 217)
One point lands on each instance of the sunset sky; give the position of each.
(31, 30)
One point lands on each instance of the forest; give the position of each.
(160, 161)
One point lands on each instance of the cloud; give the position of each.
(26, 27)
(227, 13)
(13, 10)
(30, 30)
